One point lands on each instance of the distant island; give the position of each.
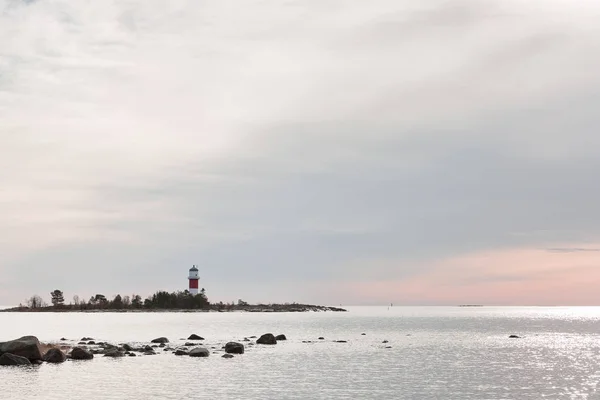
(161, 301)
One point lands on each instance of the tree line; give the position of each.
(161, 300)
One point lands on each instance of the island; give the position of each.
(161, 301)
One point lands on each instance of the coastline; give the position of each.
(211, 308)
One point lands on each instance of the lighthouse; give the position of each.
(193, 278)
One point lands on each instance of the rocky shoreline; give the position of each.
(28, 350)
(212, 308)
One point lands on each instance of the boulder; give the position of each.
(321, 338)
(227, 356)
(267, 338)
(341, 341)
(147, 348)
(514, 337)
(280, 337)
(81, 354)
(199, 352)
(162, 345)
(63, 339)
(234, 348)
(150, 353)
(8, 359)
(385, 341)
(86, 339)
(189, 344)
(114, 354)
(26, 346)
(180, 352)
(127, 347)
(195, 337)
(55, 356)
(91, 342)
(160, 340)
(132, 355)
(363, 334)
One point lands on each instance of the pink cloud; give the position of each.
(568, 275)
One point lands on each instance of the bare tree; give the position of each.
(76, 300)
(36, 301)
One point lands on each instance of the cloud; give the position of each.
(285, 142)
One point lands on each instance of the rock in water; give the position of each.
(514, 337)
(27, 346)
(195, 337)
(227, 356)
(267, 338)
(234, 348)
(114, 354)
(80, 354)
(160, 340)
(127, 347)
(280, 337)
(55, 356)
(180, 352)
(199, 352)
(11, 359)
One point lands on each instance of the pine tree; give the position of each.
(57, 298)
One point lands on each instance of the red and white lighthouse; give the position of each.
(193, 278)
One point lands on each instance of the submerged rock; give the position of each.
(234, 348)
(267, 338)
(55, 356)
(26, 346)
(114, 354)
(8, 359)
(199, 352)
(227, 356)
(81, 354)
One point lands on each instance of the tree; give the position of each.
(58, 298)
(76, 300)
(136, 301)
(117, 302)
(36, 301)
(126, 301)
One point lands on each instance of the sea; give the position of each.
(431, 353)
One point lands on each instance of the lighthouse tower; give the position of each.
(193, 278)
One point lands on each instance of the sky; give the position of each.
(328, 152)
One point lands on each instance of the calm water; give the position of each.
(437, 353)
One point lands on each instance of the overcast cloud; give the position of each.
(339, 152)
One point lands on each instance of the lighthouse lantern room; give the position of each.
(193, 279)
